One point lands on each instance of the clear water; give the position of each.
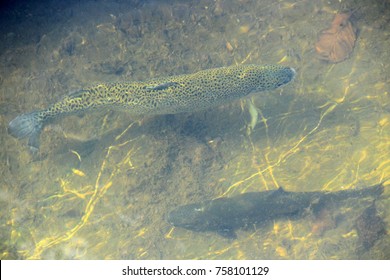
(104, 182)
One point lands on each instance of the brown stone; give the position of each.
(336, 43)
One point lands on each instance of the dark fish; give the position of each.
(225, 215)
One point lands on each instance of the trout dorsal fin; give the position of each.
(161, 86)
(76, 93)
(278, 192)
(281, 190)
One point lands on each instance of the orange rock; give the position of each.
(336, 43)
(229, 47)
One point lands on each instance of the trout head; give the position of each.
(270, 77)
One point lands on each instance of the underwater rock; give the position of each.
(325, 220)
(336, 43)
(370, 227)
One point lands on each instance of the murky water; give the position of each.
(103, 182)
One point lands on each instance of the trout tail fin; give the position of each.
(27, 126)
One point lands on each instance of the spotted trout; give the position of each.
(175, 94)
(226, 215)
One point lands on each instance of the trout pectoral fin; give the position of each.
(33, 141)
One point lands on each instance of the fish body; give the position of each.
(170, 95)
(226, 215)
